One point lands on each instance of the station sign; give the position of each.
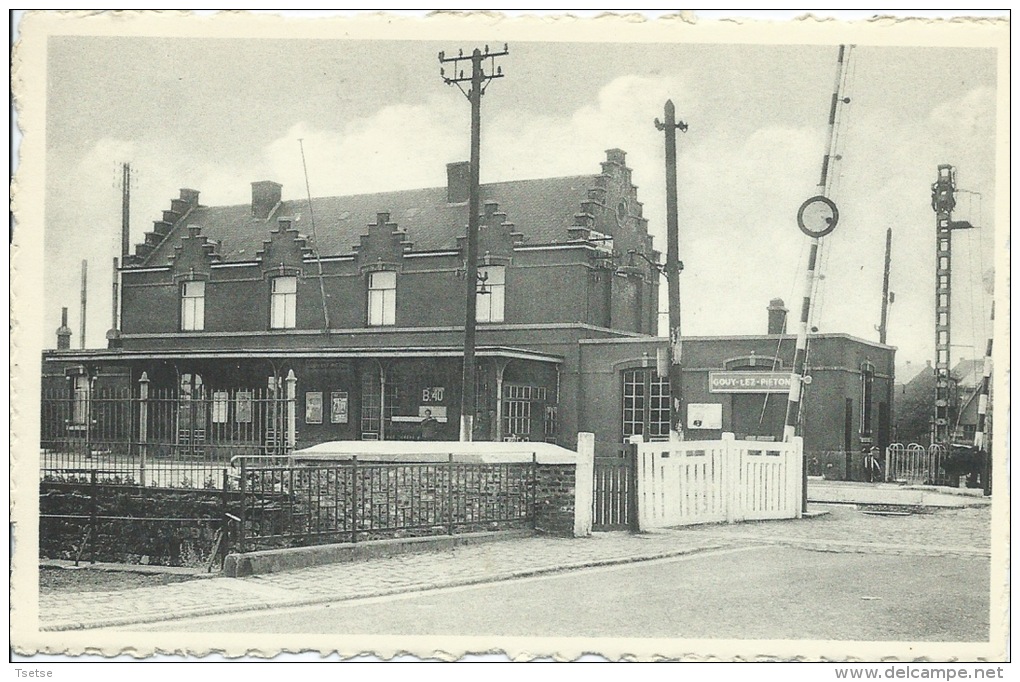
(749, 382)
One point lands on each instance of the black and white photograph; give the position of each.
(540, 337)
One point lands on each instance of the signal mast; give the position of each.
(943, 201)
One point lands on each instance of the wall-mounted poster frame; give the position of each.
(313, 407)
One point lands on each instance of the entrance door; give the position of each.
(192, 416)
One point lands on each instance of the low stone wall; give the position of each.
(159, 526)
(279, 560)
(563, 493)
(554, 499)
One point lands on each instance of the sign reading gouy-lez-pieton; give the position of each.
(749, 382)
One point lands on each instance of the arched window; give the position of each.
(645, 404)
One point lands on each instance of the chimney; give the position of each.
(189, 196)
(64, 332)
(617, 156)
(458, 182)
(265, 195)
(777, 316)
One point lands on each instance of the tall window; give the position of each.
(867, 382)
(283, 303)
(80, 402)
(382, 298)
(193, 306)
(645, 404)
(491, 293)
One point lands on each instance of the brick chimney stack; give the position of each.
(777, 316)
(458, 182)
(265, 195)
(64, 332)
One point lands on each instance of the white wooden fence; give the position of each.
(688, 482)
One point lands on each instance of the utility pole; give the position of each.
(478, 82)
(84, 299)
(943, 201)
(883, 325)
(673, 269)
(125, 211)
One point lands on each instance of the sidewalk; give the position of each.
(855, 492)
(946, 532)
(377, 577)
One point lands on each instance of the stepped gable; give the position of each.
(194, 256)
(285, 250)
(180, 208)
(383, 246)
(496, 236)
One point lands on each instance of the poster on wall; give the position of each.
(242, 413)
(338, 407)
(704, 416)
(220, 405)
(313, 407)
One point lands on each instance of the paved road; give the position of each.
(958, 534)
(748, 592)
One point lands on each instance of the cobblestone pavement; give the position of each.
(965, 531)
(947, 532)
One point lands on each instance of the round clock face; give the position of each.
(621, 211)
(817, 216)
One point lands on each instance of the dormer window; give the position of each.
(283, 303)
(382, 298)
(193, 306)
(490, 298)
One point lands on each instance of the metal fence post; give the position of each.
(291, 412)
(242, 515)
(225, 536)
(354, 498)
(632, 487)
(143, 424)
(449, 495)
(93, 513)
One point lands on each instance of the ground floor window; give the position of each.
(518, 418)
(646, 400)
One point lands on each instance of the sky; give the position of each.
(215, 115)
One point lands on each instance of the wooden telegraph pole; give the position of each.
(478, 81)
(883, 330)
(673, 269)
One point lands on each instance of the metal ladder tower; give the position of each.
(943, 201)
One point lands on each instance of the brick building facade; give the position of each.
(369, 317)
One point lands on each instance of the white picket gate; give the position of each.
(707, 481)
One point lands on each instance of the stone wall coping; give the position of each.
(437, 451)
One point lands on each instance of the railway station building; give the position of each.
(367, 319)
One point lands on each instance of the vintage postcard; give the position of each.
(637, 338)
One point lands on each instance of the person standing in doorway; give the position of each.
(429, 427)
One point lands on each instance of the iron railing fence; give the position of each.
(350, 501)
(163, 438)
(917, 464)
